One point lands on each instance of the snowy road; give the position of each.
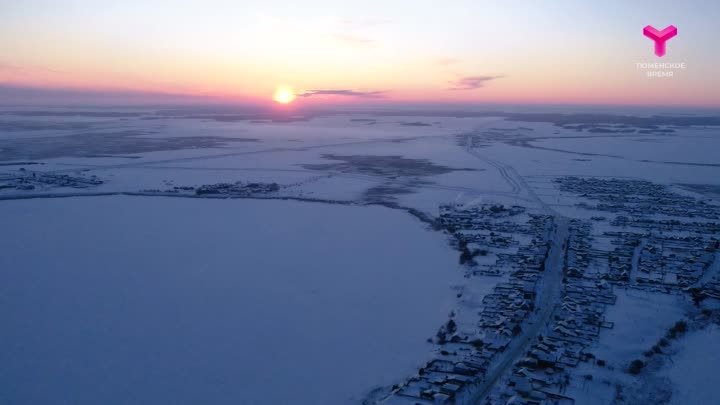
(549, 296)
(550, 285)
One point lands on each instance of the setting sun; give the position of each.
(284, 95)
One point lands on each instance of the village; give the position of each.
(27, 180)
(674, 255)
(470, 347)
(237, 189)
(651, 239)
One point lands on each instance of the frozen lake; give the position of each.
(136, 300)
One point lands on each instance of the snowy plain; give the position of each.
(155, 299)
(149, 300)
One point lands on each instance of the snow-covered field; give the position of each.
(147, 285)
(135, 300)
(694, 369)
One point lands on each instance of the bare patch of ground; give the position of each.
(384, 166)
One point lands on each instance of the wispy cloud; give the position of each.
(366, 22)
(354, 32)
(354, 40)
(16, 69)
(25, 94)
(344, 92)
(447, 61)
(472, 82)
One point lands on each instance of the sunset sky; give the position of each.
(371, 51)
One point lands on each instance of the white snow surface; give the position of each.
(139, 300)
(159, 300)
(693, 370)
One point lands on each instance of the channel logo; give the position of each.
(660, 37)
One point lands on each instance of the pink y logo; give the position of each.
(660, 37)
